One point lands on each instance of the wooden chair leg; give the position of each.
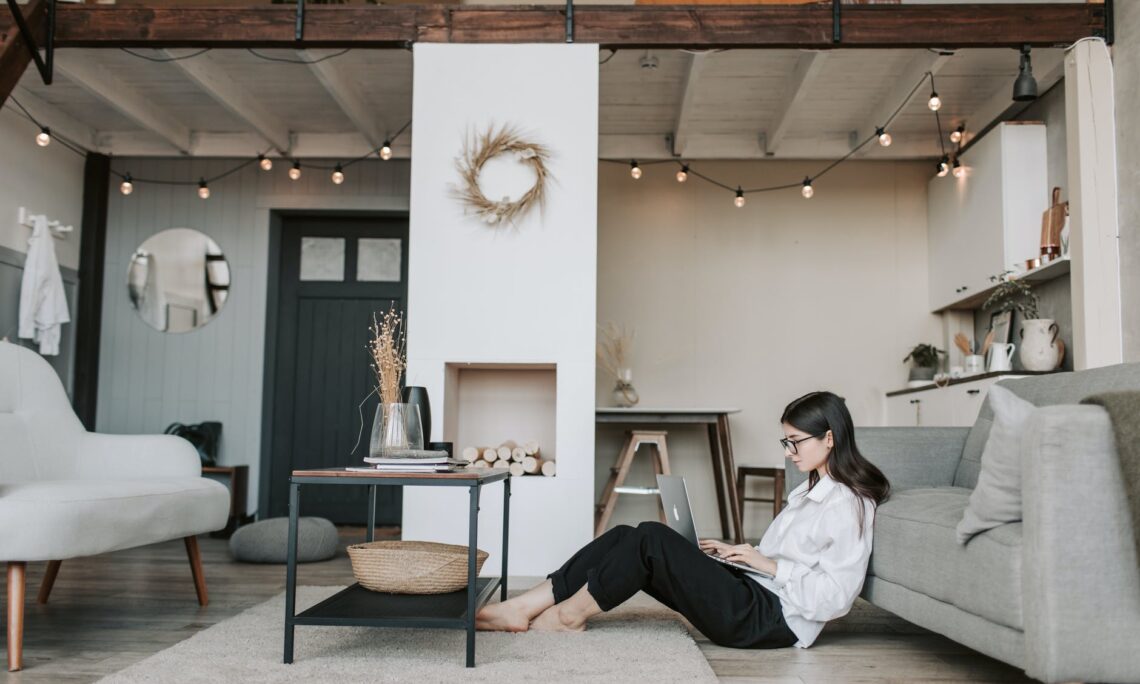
(740, 477)
(16, 615)
(196, 570)
(617, 477)
(778, 495)
(48, 581)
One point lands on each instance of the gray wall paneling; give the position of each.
(149, 379)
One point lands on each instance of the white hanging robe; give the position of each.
(43, 302)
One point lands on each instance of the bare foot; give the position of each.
(551, 620)
(501, 617)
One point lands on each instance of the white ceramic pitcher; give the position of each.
(1001, 356)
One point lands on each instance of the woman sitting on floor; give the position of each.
(815, 554)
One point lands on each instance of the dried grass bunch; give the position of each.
(613, 349)
(482, 148)
(388, 349)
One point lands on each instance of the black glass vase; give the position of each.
(419, 397)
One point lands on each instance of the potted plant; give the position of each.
(1040, 348)
(925, 361)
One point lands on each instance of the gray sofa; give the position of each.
(1057, 594)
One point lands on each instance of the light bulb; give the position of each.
(386, 150)
(884, 137)
(807, 190)
(126, 187)
(959, 170)
(739, 201)
(634, 170)
(338, 175)
(943, 167)
(264, 162)
(935, 102)
(295, 172)
(683, 174)
(956, 135)
(203, 189)
(43, 138)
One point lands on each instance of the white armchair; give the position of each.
(67, 493)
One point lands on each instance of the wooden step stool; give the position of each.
(620, 470)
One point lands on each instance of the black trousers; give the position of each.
(722, 602)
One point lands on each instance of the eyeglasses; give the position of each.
(791, 444)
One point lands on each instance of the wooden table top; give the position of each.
(468, 474)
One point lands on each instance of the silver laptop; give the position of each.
(679, 514)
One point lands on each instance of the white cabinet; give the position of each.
(990, 219)
(954, 405)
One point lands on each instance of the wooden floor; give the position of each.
(111, 611)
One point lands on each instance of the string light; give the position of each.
(386, 150)
(43, 138)
(943, 166)
(295, 172)
(338, 175)
(956, 136)
(959, 170)
(807, 190)
(203, 189)
(683, 174)
(884, 137)
(739, 201)
(634, 170)
(126, 187)
(935, 102)
(264, 162)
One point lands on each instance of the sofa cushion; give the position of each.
(1043, 390)
(916, 546)
(61, 519)
(996, 499)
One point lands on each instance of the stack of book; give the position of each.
(413, 461)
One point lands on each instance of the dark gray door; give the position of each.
(334, 274)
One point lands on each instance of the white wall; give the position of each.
(512, 295)
(46, 180)
(1126, 60)
(149, 379)
(750, 308)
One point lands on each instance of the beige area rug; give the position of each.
(639, 638)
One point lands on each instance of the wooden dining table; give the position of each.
(715, 421)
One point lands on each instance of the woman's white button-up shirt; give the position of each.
(821, 555)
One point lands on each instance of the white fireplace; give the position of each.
(501, 323)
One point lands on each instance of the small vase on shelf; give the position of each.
(395, 428)
(625, 395)
(1040, 350)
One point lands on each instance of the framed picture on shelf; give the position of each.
(1000, 323)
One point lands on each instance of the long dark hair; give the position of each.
(816, 413)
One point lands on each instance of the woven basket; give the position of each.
(412, 567)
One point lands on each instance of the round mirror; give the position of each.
(178, 280)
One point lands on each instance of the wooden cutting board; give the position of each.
(1052, 221)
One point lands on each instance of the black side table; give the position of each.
(359, 607)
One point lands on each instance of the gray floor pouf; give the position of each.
(267, 541)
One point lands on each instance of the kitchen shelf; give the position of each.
(1050, 271)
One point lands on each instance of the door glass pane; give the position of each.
(322, 258)
(378, 259)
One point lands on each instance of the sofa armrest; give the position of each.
(1080, 578)
(910, 457)
(133, 457)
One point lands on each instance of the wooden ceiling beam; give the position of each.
(808, 67)
(14, 53)
(213, 80)
(347, 96)
(126, 99)
(625, 27)
(683, 126)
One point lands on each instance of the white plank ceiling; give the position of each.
(739, 104)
